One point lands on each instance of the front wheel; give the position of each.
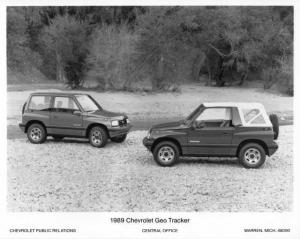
(98, 137)
(36, 133)
(119, 139)
(166, 153)
(252, 155)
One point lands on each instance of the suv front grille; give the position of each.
(123, 122)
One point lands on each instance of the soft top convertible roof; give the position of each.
(234, 104)
(244, 109)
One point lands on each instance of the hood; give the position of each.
(105, 113)
(170, 125)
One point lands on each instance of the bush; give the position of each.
(280, 77)
(65, 39)
(109, 62)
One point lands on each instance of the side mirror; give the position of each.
(77, 112)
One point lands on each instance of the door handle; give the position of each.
(225, 133)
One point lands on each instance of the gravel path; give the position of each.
(73, 176)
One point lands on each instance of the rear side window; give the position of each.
(40, 102)
(253, 116)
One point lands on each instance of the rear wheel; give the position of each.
(119, 139)
(252, 155)
(98, 137)
(275, 122)
(166, 153)
(36, 133)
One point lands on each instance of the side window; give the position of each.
(253, 116)
(215, 117)
(215, 114)
(40, 102)
(64, 104)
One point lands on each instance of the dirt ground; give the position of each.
(73, 176)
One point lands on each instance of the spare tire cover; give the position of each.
(275, 122)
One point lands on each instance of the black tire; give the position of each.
(275, 122)
(98, 137)
(169, 148)
(119, 139)
(57, 138)
(36, 133)
(252, 159)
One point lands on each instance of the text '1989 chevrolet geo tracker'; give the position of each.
(60, 115)
(242, 130)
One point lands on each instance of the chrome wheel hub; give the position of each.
(252, 156)
(36, 134)
(96, 137)
(166, 154)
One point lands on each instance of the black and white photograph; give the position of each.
(168, 108)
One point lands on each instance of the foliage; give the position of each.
(19, 55)
(118, 46)
(110, 55)
(65, 40)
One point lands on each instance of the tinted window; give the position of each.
(65, 104)
(41, 103)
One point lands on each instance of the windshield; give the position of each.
(87, 103)
(193, 114)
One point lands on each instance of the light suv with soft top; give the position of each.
(242, 130)
(71, 115)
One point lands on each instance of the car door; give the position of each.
(211, 133)
(66, 118)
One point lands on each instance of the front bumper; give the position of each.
(272, 148)
(118, 131)
(22, 127)
(148, 143)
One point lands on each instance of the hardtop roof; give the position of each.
(58, 93)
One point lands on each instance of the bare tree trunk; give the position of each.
(60, 76)
(157, 82)
(208, 83)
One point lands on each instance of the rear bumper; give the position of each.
(118, 131)
(22, 127)
(148, 143)
(272, 148)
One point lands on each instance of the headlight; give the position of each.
(127, 121)
(115, 123)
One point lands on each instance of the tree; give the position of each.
(66, 41)
(159, 45)
(109, 61)
(18, 42)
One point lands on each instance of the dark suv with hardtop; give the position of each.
(241, 130)
(60, 115)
